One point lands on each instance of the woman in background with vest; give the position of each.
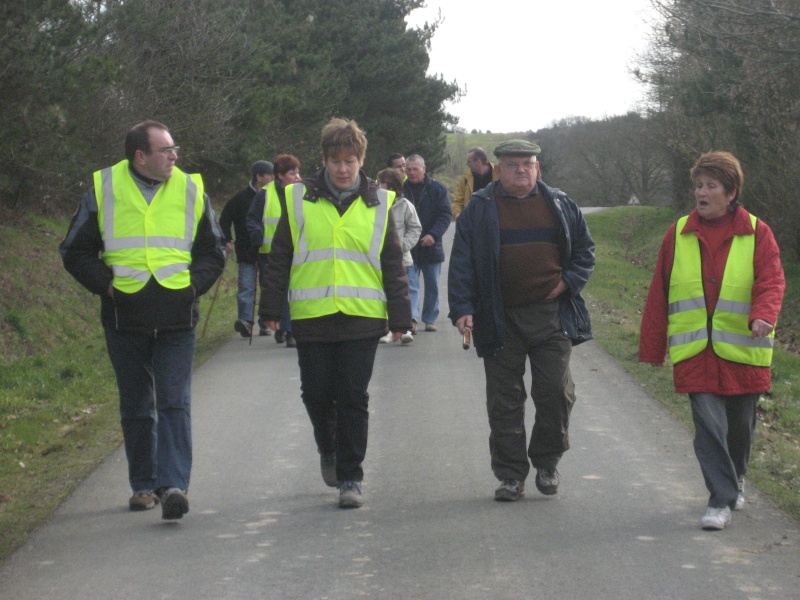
(713, 304)
(337, 252)
(262, 221)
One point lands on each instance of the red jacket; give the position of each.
(706, 372)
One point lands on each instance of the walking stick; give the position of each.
(255, 295)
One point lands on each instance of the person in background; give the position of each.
(397, 161)
(235, 214)
(480, 173)
(146, 240)
(429, 198)
(712, 306)
(408, 228)
(522, 253)
(262, 221)
(337, 253)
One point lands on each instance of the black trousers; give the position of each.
(334, 378)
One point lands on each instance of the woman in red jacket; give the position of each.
(713, 304)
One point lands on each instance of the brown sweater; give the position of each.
(530, 266)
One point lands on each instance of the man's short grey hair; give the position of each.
(416, 158)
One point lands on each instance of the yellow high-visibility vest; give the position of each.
(688, 323)
(271, 216)
(336, 265)
(141, 240)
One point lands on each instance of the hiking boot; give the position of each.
(510, 490)
(280, 335)
(740, 498)
(715, 518)
(327, 464)
(350, 494)
(547, 481)
(290, 343)
(386, 339)
(243, 327)
(174, 504)
(143, 500)
(430, 327)
(407, 337)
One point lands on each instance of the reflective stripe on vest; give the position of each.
(271, 216)
(688, 322)
(141, 240)
(336, 264)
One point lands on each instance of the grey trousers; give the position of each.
(533, 333)
(723, 435)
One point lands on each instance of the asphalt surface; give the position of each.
(263, 525)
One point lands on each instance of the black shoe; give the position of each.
(547, 481)
(243, 327)
(174, 504)
(290, 343)
(279, 336)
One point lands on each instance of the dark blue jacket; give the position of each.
(435, 215)
(474, 275)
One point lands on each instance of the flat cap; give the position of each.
(516, 148)
(261, 167)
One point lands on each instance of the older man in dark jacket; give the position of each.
(433, 209)
(521, 255)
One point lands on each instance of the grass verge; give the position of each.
(627, 241)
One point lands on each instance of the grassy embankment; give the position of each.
(627, 241)
(58, 400)
(58, 413)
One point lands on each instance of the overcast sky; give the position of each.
(527, 63)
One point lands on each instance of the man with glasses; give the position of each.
(521, 256)
(145, 239)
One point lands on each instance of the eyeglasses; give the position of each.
(168, 150)
(527, 165)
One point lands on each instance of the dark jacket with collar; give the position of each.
(474, 274)
(154, 307)
(235, 214)
(336, 327)
(435, 215)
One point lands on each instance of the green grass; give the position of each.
(627, 241)
(58, 397)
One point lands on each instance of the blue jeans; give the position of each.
(247, 291)
(154, 375)
(430, 300)
(413, 291)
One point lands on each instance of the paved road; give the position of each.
(263, 525)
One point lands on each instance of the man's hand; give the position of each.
(229, 247)
(462, 322)
(760, 328)
(274, 325)
(557, 291)
(427, 241)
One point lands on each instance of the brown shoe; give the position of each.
(143, 500)
(430, 327)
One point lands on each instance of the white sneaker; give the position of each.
(387, 339)
(740, 498)
(407, 337)
(716, 518)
